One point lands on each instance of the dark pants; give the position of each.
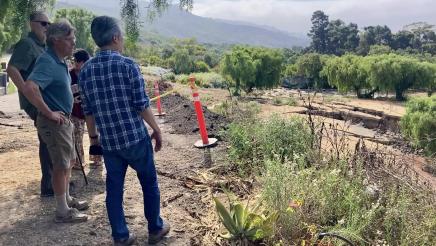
(44, 157)
(140, 158)
(46, 167)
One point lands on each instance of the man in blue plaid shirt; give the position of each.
(114, 102)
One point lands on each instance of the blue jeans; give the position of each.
(140, 158)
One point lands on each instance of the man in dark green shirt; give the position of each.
(21, 64)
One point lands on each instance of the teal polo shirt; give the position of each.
(52, 76)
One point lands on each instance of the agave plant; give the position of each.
(244, 224)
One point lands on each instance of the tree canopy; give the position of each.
(248, 68)
(336, 37)
(14, 17)
(81, 20)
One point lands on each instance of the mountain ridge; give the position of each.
(178, 23)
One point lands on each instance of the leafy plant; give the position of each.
(291, 101)
(253, 142)
(419, 123)
(245, 224)
(248, 68)
(11, 88)
(277, 101)
(205, 80)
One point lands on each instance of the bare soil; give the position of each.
(186, 184)
(25, 218)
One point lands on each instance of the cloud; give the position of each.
(294, 15)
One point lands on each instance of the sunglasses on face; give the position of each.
(43, 23)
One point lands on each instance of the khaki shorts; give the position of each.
(59, 140)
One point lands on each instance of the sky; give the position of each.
(294, 15)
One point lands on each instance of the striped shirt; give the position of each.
(112, 90)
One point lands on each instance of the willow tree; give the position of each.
(348, 73)
(239, 68)
(398, 73)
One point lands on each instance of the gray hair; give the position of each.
(36, 14)
(60, 29)
(103, 29)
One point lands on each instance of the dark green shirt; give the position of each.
(26, 51)
(53, 78)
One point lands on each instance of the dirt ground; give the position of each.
(27, 219)
(186, 183)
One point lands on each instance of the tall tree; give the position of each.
(310, 66)
(402, 40)
(342, 38)
(319, 32)
(239, 68)
(372, 35)
(14, 16)
(250, 68)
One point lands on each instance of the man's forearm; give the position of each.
(148, 116)
(90, 124)
(32, 93)
(15, 75)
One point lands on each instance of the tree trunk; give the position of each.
(399, 95)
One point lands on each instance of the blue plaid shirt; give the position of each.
(112, 89)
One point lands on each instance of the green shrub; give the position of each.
(254, 142)
(328, 199)
(201, 67)
(169, 76)
(419, 123)
(332, 200)
(207, 80)
(277, 101)
(291, 101)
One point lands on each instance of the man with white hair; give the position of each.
(21, 64)
(48, 89)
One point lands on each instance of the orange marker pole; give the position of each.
(158, 103)
(200, 118)
(205, 141)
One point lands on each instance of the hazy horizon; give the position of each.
(294, 15)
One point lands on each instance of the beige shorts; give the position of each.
(59, 140)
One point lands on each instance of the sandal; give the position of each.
(79, 205)
(95, 164)
(73, 216)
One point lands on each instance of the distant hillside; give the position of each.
(181, 24)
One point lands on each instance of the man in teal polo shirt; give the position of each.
(21, 64)
(48, 89)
